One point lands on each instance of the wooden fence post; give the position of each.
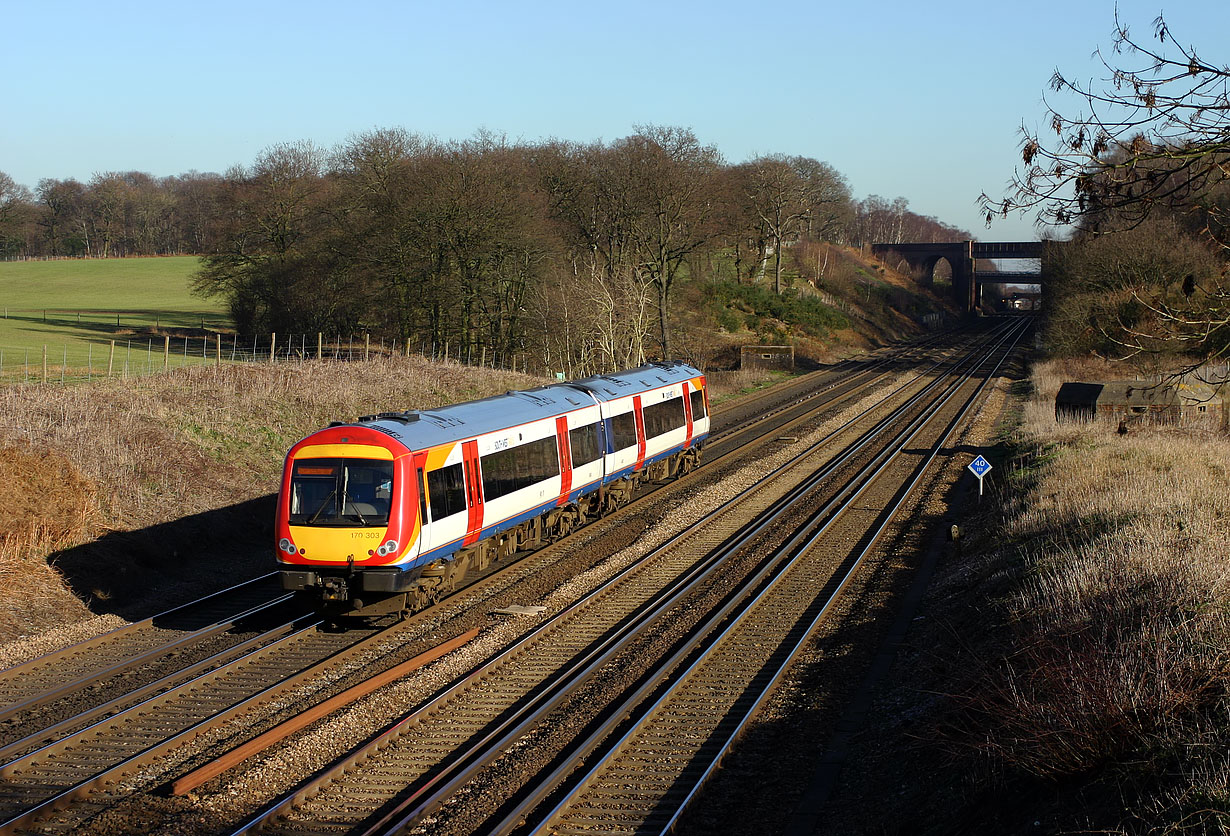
(320, 346)
(166, 353)
(44, 355)
(367, 346)
(273, 342)
(218, 361)
(111, 359)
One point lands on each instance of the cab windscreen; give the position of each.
(341, 492)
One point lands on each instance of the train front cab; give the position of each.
(348, 501)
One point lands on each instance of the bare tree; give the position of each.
(195, 205)
(271, 259)
(1154, 135)
(386, 219)
(64, 218)
(591, 198)
(775, 195)
(826, 197)
(16, 204)
(787, 197)
(669, 175)
(1149, 144)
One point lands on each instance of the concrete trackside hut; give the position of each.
(1187, 403)
(767, 357)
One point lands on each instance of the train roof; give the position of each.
(422, 428)
(607, 387)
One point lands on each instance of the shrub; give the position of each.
(802, 311)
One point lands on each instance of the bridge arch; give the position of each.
(937, 270)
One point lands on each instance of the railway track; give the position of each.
(76, 770)
(732, 666)
(122, 744)
(43, 696)
(417, 765)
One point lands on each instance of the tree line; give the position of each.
(571, 250)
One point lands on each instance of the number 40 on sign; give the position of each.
(980, 467)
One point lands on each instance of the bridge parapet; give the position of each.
(1008, 249)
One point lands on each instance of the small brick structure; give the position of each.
(1143, 401)
(767, 357)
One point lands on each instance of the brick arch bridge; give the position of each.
(963, 256)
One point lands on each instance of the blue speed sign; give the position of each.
(979, 466)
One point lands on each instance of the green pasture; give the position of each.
(74, 309)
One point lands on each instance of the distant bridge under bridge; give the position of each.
(963, 257)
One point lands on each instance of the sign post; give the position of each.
(979, 467)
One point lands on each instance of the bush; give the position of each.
(727, 320)
(804, 312)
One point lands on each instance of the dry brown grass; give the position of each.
(160, 447)
(81, 461)
(1115, 657)
(724, 385)
(45, 505)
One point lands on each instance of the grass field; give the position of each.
(74, 308)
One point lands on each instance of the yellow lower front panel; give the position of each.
(335, 545)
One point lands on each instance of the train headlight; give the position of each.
(387, 548)
(286, 545)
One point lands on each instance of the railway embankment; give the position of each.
(1069, 670)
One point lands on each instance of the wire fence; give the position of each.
(86, 360)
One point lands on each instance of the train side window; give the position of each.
(663, 417)
(499, 472)
(448, 491)
(623, 431)
(583, 443)
(698, 403)
(547, 452)
(519, 467)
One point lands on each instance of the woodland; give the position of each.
(570, 251)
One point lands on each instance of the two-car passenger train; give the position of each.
(389, 512)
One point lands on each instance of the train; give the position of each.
(388, 513)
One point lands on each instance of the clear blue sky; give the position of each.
(922, 100)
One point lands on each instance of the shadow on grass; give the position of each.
(137, 574)
(101, 326)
